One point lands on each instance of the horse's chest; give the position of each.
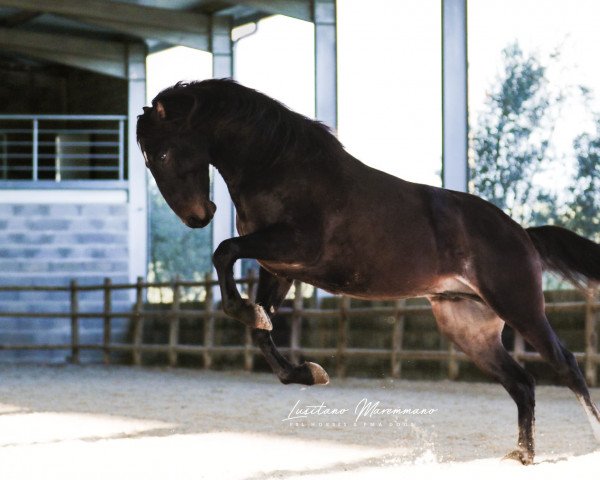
(257, 212)
(243, 227)
(248, 226)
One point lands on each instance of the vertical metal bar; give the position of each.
(209, 322)
(342, 336)
(121, 149)
(591, 336)
(324, 18)
(107, 321)
(137, 175)
(35, 160)
(74, 322)
(138, 322)
(397, 337)
(174, 323)
(221, 47)
(248, 344)
(296, 329)
(454, 95)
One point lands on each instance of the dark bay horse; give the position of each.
(308, 210)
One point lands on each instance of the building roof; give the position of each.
(96, 32)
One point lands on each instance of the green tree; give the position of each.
(174, 248)
(512, 138)
(583, 212)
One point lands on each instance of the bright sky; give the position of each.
(389, 74)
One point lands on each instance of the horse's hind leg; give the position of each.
(476, 329)
(270, 294)
(521, 305)
(541, 337)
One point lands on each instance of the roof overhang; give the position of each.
(93, 34)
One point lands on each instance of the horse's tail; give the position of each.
(575, 258)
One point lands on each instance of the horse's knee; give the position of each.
(231, 308)
(234, 307)
(248, 313)
(224, 254)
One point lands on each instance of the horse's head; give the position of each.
(178, 160)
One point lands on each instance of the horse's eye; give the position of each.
(163, 157)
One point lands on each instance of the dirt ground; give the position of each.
(139, 423)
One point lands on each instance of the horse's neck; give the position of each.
(230, 177)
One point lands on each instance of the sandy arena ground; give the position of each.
(122, 422)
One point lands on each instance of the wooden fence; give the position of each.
(211, 312)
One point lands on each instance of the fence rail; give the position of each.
(210, 313)
(62, 147)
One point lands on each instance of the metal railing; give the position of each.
(62, 147)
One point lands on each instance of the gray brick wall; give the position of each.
(50, 244)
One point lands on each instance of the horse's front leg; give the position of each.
(225, 256)
(270, 294)
(273, 244)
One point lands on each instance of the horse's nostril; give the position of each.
(196, 222)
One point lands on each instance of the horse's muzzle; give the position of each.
(202, 217)
(194, 221)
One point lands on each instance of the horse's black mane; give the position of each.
(224, 105)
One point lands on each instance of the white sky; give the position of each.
(389, 74)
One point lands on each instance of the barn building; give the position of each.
(73, 186)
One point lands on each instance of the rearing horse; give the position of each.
(308, 210)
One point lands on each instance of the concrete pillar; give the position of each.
(136, 169)
(223, 224)
(455, 127)
(324, 18)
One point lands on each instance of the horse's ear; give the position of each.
(160, 110)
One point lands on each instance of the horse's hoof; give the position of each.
(308, 373)
(318, 373)
(261, 319)
(523, 456)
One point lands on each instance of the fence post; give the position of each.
(74, 322)
(397, 337)
(296, 329)
(107, 321)
(248, 344)
(174, 323)
(209, 322)
(342, 336)
(518, 348)
(138, 322)
(453, 366)
(591, 336)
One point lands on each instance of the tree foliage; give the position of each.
(583, 212)
(174, 248)
(512, 138)
(511, 144)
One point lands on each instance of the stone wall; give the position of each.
(50, 244)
